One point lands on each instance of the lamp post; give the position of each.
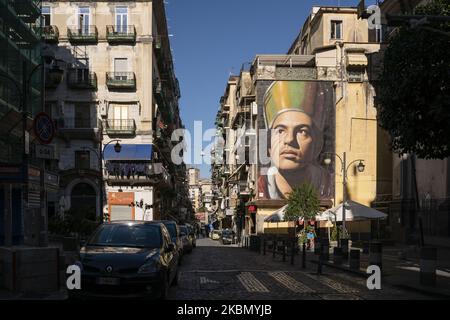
(117, 149)
(344, 169)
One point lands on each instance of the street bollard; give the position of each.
(319, 264)
(344, 246)
(375, 254)
(354, 259)
(428, 257)
(317, 248)
(292, 252)
(274, 247)
(365, 247)
(337, 256)
(325, 250)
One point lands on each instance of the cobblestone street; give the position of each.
(213, 271)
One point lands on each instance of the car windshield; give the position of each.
(226, 233)
(125, 235)
(172, 229)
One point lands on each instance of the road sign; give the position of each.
(45, 152)
(44, 128)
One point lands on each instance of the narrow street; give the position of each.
(217, 272)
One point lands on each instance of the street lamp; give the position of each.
(344, 168)
(117, 149)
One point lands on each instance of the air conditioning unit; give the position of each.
(103, 110)
(254, 108)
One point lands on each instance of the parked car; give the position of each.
(174, 232)
(227, 237)
(215, 234)
(128, 259)
(185, 238)
(192, 235)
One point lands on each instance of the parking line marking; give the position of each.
(250, 283)
(291, 283)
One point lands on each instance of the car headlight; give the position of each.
(149, 267)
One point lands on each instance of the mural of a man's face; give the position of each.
(292, 141)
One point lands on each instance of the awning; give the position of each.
(129, 152)
(356, 60)
(354, 211)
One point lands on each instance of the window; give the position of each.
(121, 19)
(336, 29)
(82, 160)
(120, 116)
(45, 16)
(83, 20)
(120, 68)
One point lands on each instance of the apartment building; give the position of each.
(23, 178)
(326, 66)
(116, 109)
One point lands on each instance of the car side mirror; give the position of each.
(83, 243)
(170, 247)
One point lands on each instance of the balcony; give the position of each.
(79, 128)
(121, 34)
(81, 79)
(50, 34)
(121, 80)
(83, 35)
(116, 128)
(119, 173)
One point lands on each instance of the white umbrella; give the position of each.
(353, 211)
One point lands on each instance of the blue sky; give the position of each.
(213, 38)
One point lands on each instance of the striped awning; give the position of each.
(356, 60)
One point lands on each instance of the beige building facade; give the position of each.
(119, 88)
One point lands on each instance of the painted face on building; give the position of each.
(292, 141)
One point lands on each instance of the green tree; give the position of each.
(303, 202)
(413, 92)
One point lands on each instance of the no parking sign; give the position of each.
(44, 128)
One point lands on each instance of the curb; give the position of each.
(342, 268)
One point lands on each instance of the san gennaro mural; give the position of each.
(299, 127)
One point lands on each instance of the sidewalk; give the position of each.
(401, 269)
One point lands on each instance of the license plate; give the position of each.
(108, 281)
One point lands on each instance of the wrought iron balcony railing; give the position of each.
(50, 34)
(83, 34)
(81, 79)
(120, 127)
(121, 34)
(121, 80)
